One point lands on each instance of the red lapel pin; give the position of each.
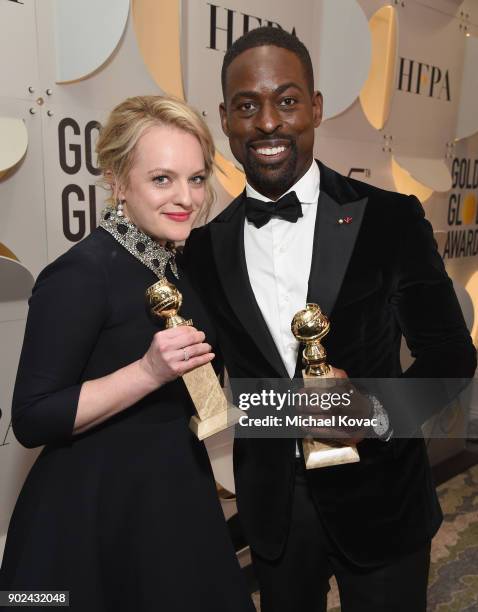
(345, 220)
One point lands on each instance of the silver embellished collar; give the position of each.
(153, 255)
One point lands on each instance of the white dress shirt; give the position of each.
(278, 258)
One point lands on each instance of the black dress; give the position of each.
(124, 516)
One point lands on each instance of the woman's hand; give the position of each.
(174, 352)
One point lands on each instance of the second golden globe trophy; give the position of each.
(214, 413)
(309, 326)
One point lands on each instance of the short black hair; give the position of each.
(264, 36)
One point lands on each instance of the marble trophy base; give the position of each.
(214, 412)
(216, 423)
(319, 453)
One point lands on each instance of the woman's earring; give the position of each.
(120, 208)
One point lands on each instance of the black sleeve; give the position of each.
(426, 307)
(67, 309)
(430, 318)
(192, 253)
(194, 259)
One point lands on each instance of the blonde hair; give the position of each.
(127, 123)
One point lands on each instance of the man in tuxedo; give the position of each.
(299, 233)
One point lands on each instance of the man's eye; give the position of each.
(247, 106)
(288, 101)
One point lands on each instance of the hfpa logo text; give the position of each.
(424, 79)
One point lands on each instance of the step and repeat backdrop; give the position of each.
(400, 84)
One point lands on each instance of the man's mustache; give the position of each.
(271, 138)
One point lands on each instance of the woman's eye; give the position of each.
(161, 180)
(198, 180)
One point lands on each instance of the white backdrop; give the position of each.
(60, 87)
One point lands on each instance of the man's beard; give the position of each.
(273, 179)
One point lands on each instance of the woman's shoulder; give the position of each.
(86, 258)
(77, 279)
(93, 247)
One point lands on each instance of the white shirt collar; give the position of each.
(307, 188)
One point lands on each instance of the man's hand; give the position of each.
(335, 398)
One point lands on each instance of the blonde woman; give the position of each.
(120, 509)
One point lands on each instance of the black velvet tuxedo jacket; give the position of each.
(377, 278)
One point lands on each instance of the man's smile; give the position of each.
(270, 151)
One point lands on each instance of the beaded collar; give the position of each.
(150, 253)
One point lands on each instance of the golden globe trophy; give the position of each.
(309, 326)
(214, 412)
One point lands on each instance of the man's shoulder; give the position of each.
(226, 214)
(382, 201)
(231, 209)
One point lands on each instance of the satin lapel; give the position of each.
(228, 247)
(333, 246)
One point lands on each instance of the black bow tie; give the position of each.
(287, 207)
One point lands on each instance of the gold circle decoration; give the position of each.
(157, 24)
(13, 143)
(87, 34)
(376, 94)
(405, 183)
(6, 252)
(16, 281)
(472, 289)
(469, 209)
(231, 178)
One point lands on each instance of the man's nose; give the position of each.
(268, 120)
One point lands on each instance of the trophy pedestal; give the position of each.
(216, 423)
(214, 413)
(309, 326)
(319, 454)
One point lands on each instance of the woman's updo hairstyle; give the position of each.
(127, 123)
